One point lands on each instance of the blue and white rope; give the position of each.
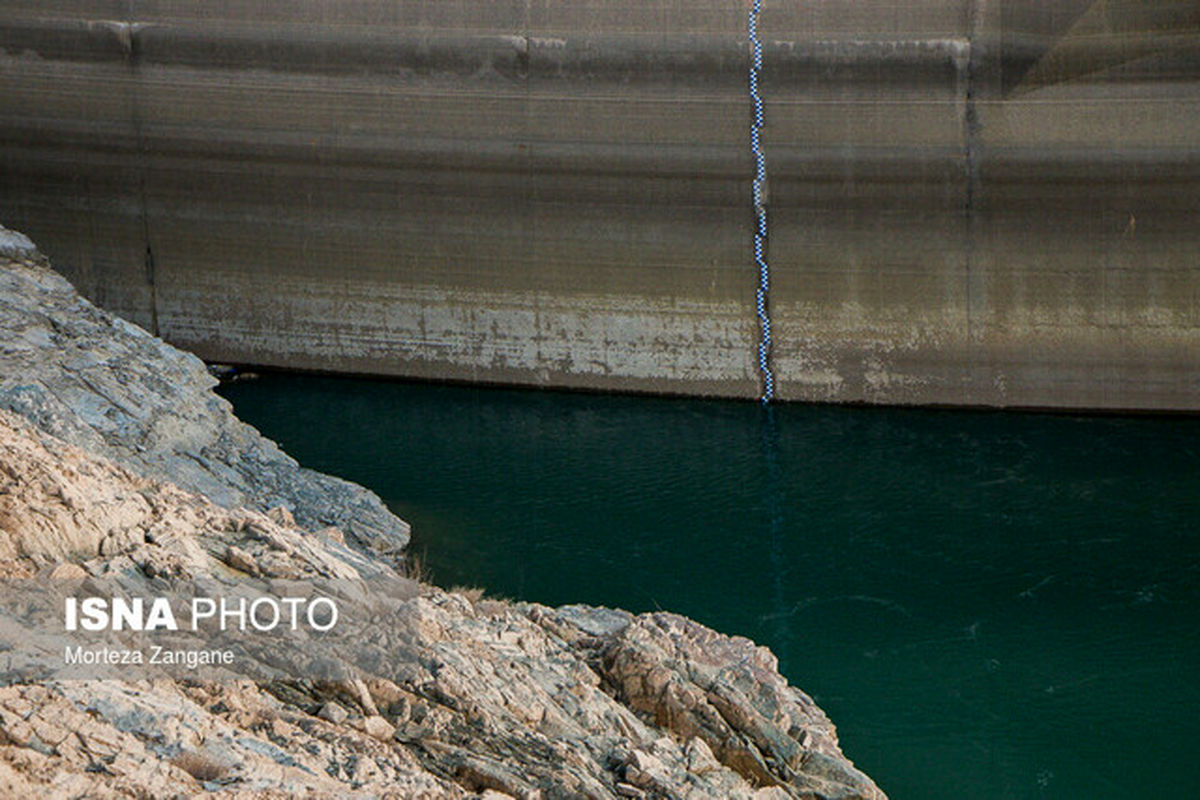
(760, 208)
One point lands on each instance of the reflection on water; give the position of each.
(988, 605)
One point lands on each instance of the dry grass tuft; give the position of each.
(415, 569)
(492, 608)
(473, 593)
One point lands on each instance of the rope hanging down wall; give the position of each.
(760, 209)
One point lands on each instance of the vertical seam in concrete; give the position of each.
(524, 69)
(129, 40)
(762, 293)
(971, 130)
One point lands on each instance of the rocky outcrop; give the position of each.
(110, 387)
(449, 696)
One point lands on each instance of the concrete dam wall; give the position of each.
(968, 201)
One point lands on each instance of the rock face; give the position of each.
(97, 381)
(461, 698)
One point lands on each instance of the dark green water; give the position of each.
(988, 605)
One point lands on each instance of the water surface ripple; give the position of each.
(988, 605)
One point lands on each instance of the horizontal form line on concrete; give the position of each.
(971, 203)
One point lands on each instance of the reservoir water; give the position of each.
(988, 605)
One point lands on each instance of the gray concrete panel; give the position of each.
(970, 202)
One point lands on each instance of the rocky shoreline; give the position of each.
(119, 463)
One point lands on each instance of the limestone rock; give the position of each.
(378, 727)
(700, 758)
(334, 713)
(16, 246)
(96, 381)
(239, 559)
(67, 572)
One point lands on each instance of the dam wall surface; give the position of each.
(968, 202)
